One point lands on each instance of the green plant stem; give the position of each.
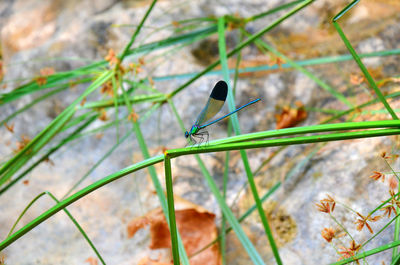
(284, 141)
(310, 129)
(345, 10)
(268, 67)
(368, 253)
(68, 214)
(303, 70)
(133, 38)
(178, 152)
(241, 45)
(31, 104)
(14, 164)
(235, 122)
(272, 11)
(171, 209)
(246, 243)
(76, 196)
(48, 153)
(365, 71)
(107, 154)
(22, 157)
(374, 87)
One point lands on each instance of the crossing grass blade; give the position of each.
(235, 124)
(303, 70)
(373, 86)
(69, 216)
(48, 153)
(246, 243)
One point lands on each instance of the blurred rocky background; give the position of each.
(63, 35)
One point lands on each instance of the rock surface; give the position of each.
(80, 31)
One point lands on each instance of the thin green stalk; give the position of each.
(285, 141)
(79, 119)
(310, 75)
(380, 231)
(368, 103)
(272, 11)
(248, 246)
(223, 219)
(70, 217)
(243, 44)
(397, 224)
(12, 165)
(235, 122)
(153, 173)
(267, 67)
(240, 219)
(171, 210)
(31, 104)
(182, 38)
(107, 103)
(78, 195)
(309, 129)
(396, 261)
(115, 100)
(344, 10)
(107, 154)
(226, 166)
(368, 253)
(374, 87)
(23, 156)
(365, 71)
(246, 243)
(48, 153)
(133, 38)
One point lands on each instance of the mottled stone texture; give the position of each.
(77, 31)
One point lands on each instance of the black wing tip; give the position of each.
(220, 91)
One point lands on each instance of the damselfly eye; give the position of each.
(186, 134)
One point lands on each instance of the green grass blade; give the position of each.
(171, 210)
(273, 11)
(293, 64)
(243, 44)
(368, 253)
(107, 103)
(33, 103)
(20, 159)
(153, 174)
(256, 258)
(68, 214)
(98, 163)
(78, 195)
(246, 243)
(133, 38)
(374, 87)
(47, 154)
(107, 154)
(12, 165)
(365, 71)
(344, 10)
(396, 261)
(285, 141)
(309, 129)
(115, 101)
(267, 67)
(235, 123)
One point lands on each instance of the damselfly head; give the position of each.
(186, 134)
